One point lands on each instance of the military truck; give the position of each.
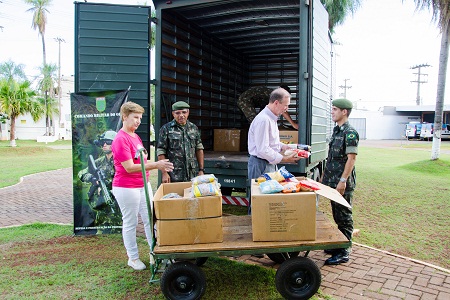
(207, 53)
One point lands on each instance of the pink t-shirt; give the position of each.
(125, 147)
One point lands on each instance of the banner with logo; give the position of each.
(95, 122)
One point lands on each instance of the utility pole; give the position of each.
(345, 87)
(59, 40)
(418, 100)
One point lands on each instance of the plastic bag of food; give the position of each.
(171, 196)
(270, 187)
(203, 179)
(274, 176)
(286, 174)
(206, 189)
(308, 186)
(290, 187)
(298, 153)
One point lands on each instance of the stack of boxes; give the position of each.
(186, 220)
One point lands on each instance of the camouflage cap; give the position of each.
(342, 103)
(180, 105)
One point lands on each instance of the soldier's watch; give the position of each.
(343, 179)
(201, 170)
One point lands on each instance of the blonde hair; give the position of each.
(130, 107)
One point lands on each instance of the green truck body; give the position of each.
(207, 53)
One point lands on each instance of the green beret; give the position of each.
(342, 103)
(180, 105)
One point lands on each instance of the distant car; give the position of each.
(413, 130)
(426, 132)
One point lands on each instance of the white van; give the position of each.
(412, 130)
(426, 132)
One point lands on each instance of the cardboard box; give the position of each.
(232, 140)
(187, 207)
(289, 136)
(288, 217)
(187, 232)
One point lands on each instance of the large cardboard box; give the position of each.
(187, 220)
(184, 208)
(187, 232)
(288, 217)
(232, 140)
(288, 136)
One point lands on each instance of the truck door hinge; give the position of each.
(307, 2)
(154, 20)
(306, 75)
(153, 81)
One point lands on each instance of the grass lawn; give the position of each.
(402, 205)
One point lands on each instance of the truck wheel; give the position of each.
(279, 257)
(226, 191)
(298, 278)
(183, 280)
(200, 261)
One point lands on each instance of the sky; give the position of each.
(375, 48)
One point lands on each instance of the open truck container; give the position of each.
(207, 53)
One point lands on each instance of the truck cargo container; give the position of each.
(207, 53)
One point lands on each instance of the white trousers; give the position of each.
(132, 203)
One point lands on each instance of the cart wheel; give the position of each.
(183, 280)
(298, 278)
(200, 261)
(279, 258)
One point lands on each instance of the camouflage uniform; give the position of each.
(343, 141)
(179, 144)
(255, 97)
(105, 214)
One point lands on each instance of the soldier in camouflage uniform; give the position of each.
(340, 173)
(180, 142)
(106, 214)
(258, 97)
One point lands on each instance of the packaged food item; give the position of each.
(308, 186)
(203, 179)
(171, 196)
(274, 176)
(261, 179)
(290, 187)
(270, 187)
(298, 153)
(206, 189)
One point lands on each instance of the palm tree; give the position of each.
(10, 70)
(441, 13)
(16, 98)
(40, 11)
(47, 87)
(338, 10)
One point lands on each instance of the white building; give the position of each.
(27, 129)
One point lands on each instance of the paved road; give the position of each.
(370, 274)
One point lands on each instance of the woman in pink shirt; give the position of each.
(128, 183)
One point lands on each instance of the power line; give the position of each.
(419, 82)
(345, 87)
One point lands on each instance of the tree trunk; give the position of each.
(43, 49)
(12, 133)
(438, 115)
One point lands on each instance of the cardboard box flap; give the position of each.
(330, 193)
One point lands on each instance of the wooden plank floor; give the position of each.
(237, 236)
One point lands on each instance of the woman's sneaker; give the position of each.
(136, 264)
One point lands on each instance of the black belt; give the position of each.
(259, 158)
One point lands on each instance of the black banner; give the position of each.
(95, 122)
